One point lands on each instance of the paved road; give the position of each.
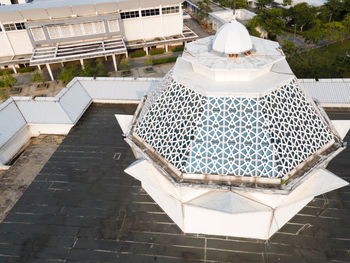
(82, 207)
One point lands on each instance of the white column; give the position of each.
(146, 49)
(39, 67)
(161, 19)
(14, 69)
(166, 48)
(126, 54)
(115, 63)
(62, 64)
(50, 72)
(82, 63)
(106, 58)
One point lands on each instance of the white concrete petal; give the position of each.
(320, 182)
(145, 172)
(171, 206)
(342, 127)
(284, 213)
(253, 224)
(124, 121)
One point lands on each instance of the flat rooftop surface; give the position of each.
(82, 207)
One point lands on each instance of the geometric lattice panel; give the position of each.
(295, 128)
(232, 139)
(239, 136)
(170, 124)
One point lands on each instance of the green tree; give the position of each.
(37, 78)
(124, 64)
(68, 73)
(302, 15)
(261, 4)
(88, 71)
(334, 31)
(203, 9)
(272, 21)
(289, 48)
(101, 70)
(335, 9)
(251, 26)
(229, 3)
(346, 24)
(287, 2)
(8, 80)
(315, 33)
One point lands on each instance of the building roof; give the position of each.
(56, 9)
(82, 207)
(330, 92)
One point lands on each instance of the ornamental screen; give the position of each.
(239, 136)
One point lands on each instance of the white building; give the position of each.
(229, 143)
(12, 2)
(56, 31)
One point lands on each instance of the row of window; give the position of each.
(150, 12)
(14, 26)
(75, 30)
(170, 10)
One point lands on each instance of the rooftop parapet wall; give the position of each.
(25, 117)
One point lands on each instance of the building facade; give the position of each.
(46, 32)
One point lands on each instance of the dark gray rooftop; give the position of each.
(82, 207)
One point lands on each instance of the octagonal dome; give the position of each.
(262, 136)
(232, 38)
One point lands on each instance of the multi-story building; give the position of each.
(57, 31)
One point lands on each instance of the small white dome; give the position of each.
(232, 38)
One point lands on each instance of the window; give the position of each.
(20, 26)
(150, 12)
(131, 14)
(38, 34)
(113, 26)
(14, 26)
(76, 30)
(170, 10)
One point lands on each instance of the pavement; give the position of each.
(82, 207)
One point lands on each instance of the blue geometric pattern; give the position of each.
(265, 136)
(232, 139)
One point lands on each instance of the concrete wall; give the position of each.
(23, 117)
(5, 50)
(20, 42)
(153, 26)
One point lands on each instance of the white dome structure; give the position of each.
(232, 38)
(231, 147)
